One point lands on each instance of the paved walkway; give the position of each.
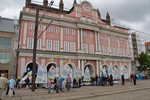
(86, 93)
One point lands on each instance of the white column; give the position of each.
(79, 39)
(96, 41)
(110, 66)
(100, 67)
(25, 33)
(109, 44)
(61, 65)
(61, 37)
(97, 67)
(79, 64)
(23, 66)
(43, 62)
(127, 47)
(82, 68)
(44, 39)
(118, 45)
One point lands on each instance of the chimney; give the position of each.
(107, 19)
(61, 5)
(75, 2)
(45, 3)
(27, 3)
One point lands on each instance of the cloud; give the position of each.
(133, 13)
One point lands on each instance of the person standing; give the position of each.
(122, 78)
(111, 80)
(64, 84)
(17, 82)
(96, 78)
(61, 83)
(79, 82)
(134, 79)
(27, 80)
(57, 84)
(68, 81)
(3, 83)
(12, 84)
(131, 77)
(49, 85)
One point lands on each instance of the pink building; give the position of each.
(78, 38)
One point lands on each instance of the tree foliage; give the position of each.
(144, 62)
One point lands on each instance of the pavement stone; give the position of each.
(84, 93)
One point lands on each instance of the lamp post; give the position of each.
(34, 48)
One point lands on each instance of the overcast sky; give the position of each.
(130, 13)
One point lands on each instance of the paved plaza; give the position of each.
(117, 92)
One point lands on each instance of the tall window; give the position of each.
(66, 46)
(91, 46)
(56, 29)
(73, 32)
(85, 48)
(112, 51)
(32, 26)
(39, 44)
(4, 57)
(5, 43)
(39, 27)
(49, 45)
(49, 29)
(91, 35)
(66, 30)
(56, 45)
(121, 52)
(116, 53)
(30, 43)
(84, 34)
(72, 47)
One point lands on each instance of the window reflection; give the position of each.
(4, 57)
(5, 43)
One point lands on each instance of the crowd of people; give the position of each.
(108, 80)
(60, 84)
(102, 80)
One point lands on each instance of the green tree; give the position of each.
(144, 62)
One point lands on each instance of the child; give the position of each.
(49, 85)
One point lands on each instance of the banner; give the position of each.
(29, 74)
(87, 75)
(77, 73)
(66, 70)
(41, 75)
(52, 72)
(124, 71)
(110, 70)
(115, 73)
